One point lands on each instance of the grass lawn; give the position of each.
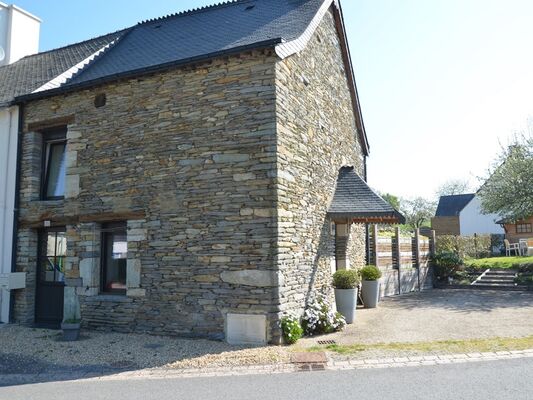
(499, 262)
(449, 346)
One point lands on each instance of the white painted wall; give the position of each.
(19, 33)
(472, 220)
(8, 166)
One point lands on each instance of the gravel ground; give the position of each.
(30, 350)
(417, 317)
(442, 314)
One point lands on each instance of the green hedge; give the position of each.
(465, 246)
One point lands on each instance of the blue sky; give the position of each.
(442, 83)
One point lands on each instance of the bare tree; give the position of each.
(417, 211)
(454, 186)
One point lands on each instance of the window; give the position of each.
(53, 250)
(114, 258)
(54, 164)
(523, 228)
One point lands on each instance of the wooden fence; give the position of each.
(403, 260)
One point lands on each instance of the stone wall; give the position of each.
(223, 173)
(317, 135)
(186, 158)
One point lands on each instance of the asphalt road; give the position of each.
(502, 380)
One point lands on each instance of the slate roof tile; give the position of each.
(354, 199)
(203, 32)
(451, 206)
(31, 72)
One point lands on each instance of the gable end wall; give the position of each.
(316, 136)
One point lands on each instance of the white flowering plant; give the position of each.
(319, 317)
(291, 329)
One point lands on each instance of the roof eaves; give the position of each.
(286, 49)
(351, 78)
(143, 71)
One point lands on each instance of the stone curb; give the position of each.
(332, 365)
(417, 361)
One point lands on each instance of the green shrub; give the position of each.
(291, 329)
(479, 246)
(370, 273)
(447, 264)
(345, 279)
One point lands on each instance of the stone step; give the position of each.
(497, 273)
(496, 282)
(499, 287)
(484, 283)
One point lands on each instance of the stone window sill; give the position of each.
(56, 202)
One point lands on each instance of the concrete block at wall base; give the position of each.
(246, 329)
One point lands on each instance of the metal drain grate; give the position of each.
(326, 342)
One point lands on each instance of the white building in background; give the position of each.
(473, 221)
(19, 37)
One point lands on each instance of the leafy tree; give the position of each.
(508, 191)
(454, 186)
(417, 211)
(392, 200)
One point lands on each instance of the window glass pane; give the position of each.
(54, 247)
(116, 253)
(55, 184)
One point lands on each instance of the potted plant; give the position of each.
(370, 286)
(345, 282)
(71, 315)
(71, 329)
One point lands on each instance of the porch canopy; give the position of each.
(355, 202)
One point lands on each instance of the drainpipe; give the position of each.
(367, 228)
(16, 207)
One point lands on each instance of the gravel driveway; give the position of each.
(25, 350)
(441, 315)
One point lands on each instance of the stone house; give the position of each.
(23, 72)
(180, 182)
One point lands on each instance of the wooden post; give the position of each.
(417, 255)
(375, 244)
(432, 243)
(398, 258)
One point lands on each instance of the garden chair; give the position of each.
(510, 247)
(524, 247)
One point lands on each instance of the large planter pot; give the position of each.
(346, 301)
(71, 331)
(370, 293)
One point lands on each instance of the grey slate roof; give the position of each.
(31, 72)
(451, 206)
(201, 34)
(355, 200)
(187, 37)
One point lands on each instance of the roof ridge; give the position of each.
(120, 31)
(196, 10)
(100, 53)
